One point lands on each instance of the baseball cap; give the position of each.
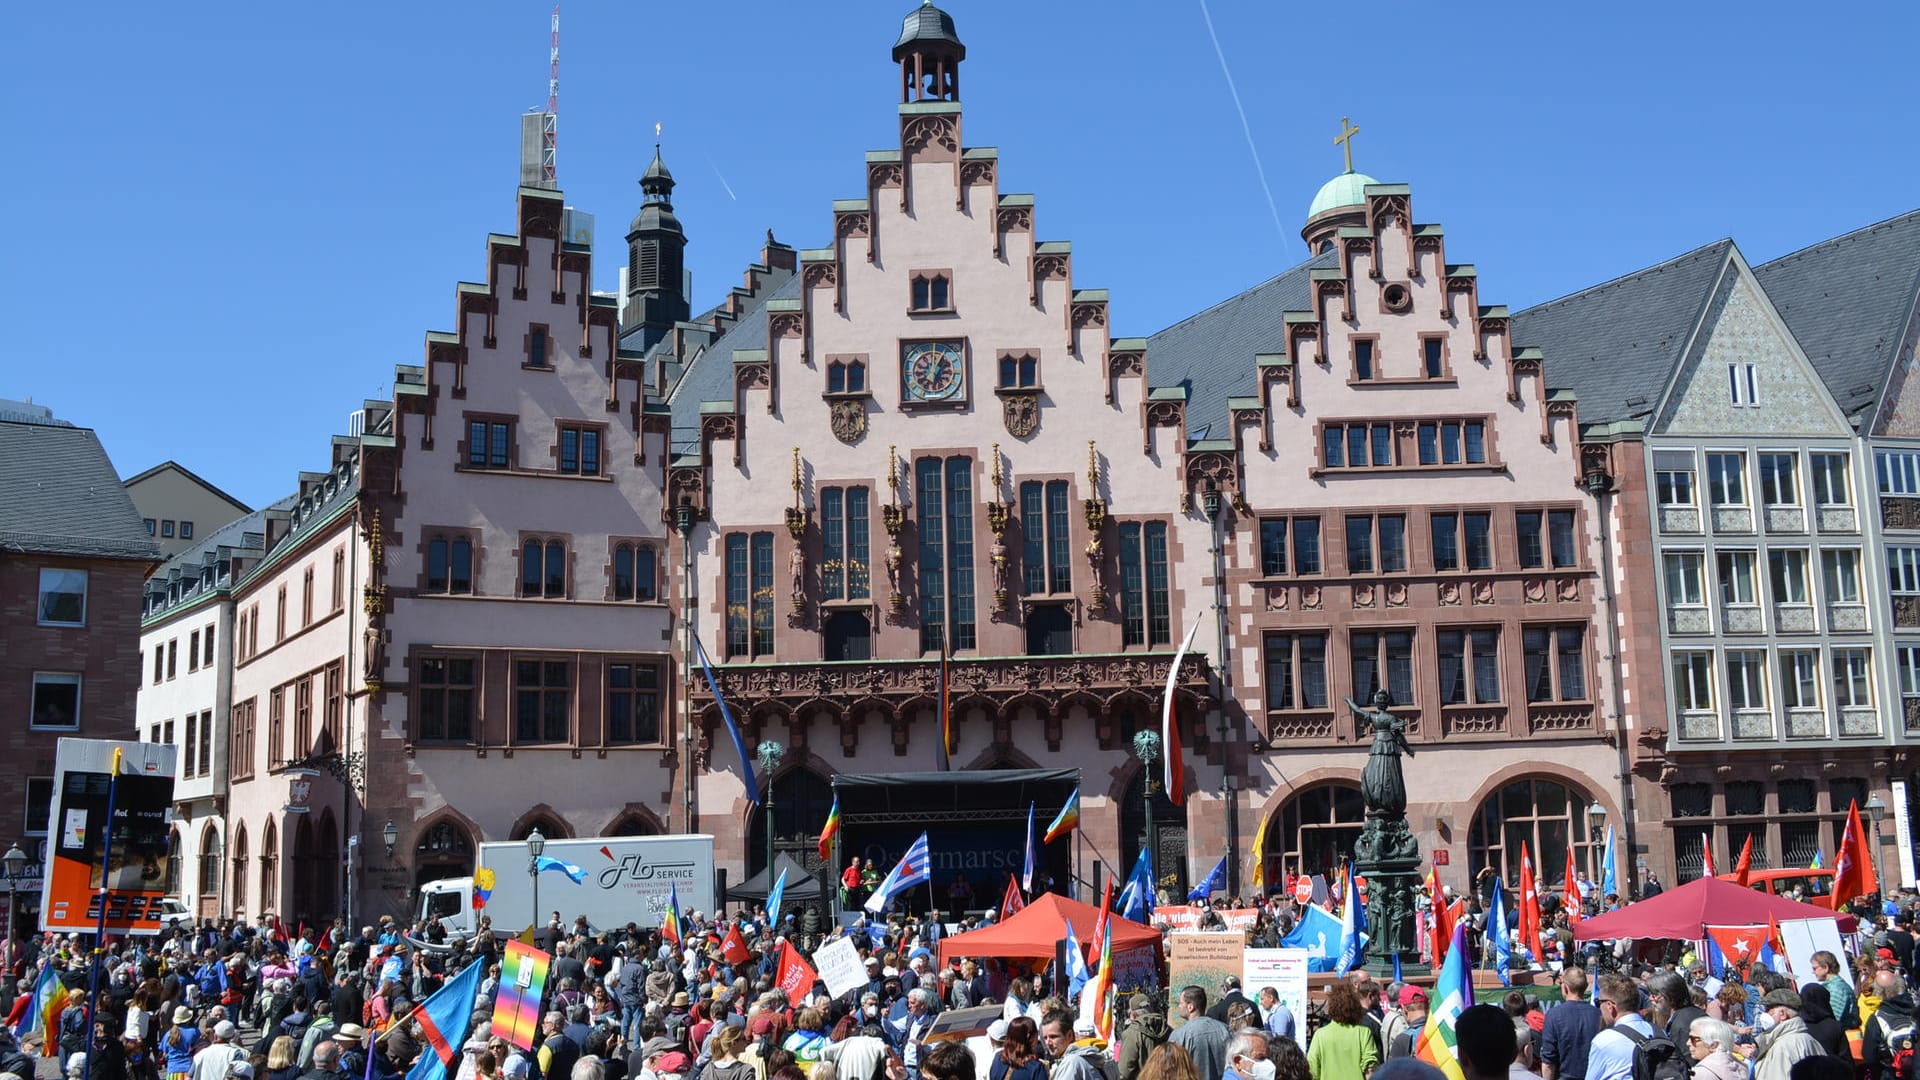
(1411, 994)
(997, 1031)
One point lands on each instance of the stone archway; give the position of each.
(444, 849)
(1545, 813)
(1314, 830)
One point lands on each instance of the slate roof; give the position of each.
(710, 376)
(246, 534)
(60, 495)
(1617, 344)
(1847, 300)
(1211, 353)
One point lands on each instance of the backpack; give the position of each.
(1655, 1057)
(1900, 1045)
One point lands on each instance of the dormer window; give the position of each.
(1019, 371)
(847, 377)
(932, 292)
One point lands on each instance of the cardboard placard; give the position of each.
(1202, 959)
(1285, 970)
(840, 966)
(1803, 938)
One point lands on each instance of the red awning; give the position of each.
(1036, 931)
(1683, 913)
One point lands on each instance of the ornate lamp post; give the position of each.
(14, 862)
(1210, 504)
(390, 835)
(1596, 821)
(535, 845)
(1146, 747)
(770, 753)
(1876, 810)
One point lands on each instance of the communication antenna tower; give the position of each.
(550, 120)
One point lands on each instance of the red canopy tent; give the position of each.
(1036, 931)
(1683, 913)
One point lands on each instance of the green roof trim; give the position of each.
(980, 153)
(1529, 352)
(1053, 247)
(386, 441)
(1493, 311)
(749, 356)
(1562, 395)
(1016, 200)
(1326, 273)
(657, 407)
(847, 205)
(469, 287)
(1167, 393)
(542, 193)
(1245, 403)
(409, 389)
(1204, 445)
(629, 354)
(883, 155)
(442, 337)
(1617, 431)
(602, 300)
(1127, 344)
(716, 408)
(1355, 232)
(929, 108)
(1292, 317)
(1272, 359)
(1388, 189)
(785, 305)
(825, 254)
(687, 461)
(1429, 230)
(503, 238)
(1089, 296)
(1462, 270)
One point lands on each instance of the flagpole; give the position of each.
(106, 877)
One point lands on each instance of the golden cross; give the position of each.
(656, 130)
(1344, 140)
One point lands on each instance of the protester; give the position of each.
(1201, 1036)
(1485, 1042)
(1783, 1036)
(1345, 1047)
(1146, 1031)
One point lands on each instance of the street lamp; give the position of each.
(1146, 747)
(1596, 820)
(1876, 810)
(535, 845)
(770, 753)
(14, 862)
(390, 834)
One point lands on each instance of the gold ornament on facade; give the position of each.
(1096, 513)
(797, 558)
(997, 516)
(892, 517)
(1021, 413)
(848, 418)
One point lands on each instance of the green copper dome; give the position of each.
(1347, 189)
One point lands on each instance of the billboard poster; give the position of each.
(133, 872)
(1203, 959)
(1285, 970)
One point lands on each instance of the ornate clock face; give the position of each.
(934, 370)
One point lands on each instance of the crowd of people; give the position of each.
(255, 1002)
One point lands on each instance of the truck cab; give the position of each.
(449, 901)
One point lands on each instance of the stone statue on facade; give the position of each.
(1382, 786)
(797, 573)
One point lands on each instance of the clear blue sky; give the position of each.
(229, 221)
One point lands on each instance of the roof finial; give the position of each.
(1344, 140)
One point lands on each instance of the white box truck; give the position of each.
(627, 880)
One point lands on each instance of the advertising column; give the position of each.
(84, 855)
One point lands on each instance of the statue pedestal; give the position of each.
(1389, 858)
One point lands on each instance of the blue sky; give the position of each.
(229, 221)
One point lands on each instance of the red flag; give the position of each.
(1706, 855)
(1572, 892)
(1014, 899)
(1744, 866)
(1442, 917)
(795, 976)
(1529, 906)
(1853, 864)
(1740, 945)
(734, 947)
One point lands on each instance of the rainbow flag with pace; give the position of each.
(830, 830)
(43, 1012)
(670, 920)
(1067, 821)
(523, 979)
(1096, 998)
(1819, 862)
(1452, 994)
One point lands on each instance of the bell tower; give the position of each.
(656, 255)
(929, 53)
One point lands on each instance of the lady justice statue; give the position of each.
(1386, 853)
(1382, 787)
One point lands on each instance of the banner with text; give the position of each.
(1285, 970)
(132, 871)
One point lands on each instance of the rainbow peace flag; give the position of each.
(830, 830)
(670, 921)
(1818, 862)
(1067, 821)
(523, 979)
(43, 1012)
(1452, 994)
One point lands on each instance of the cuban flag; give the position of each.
(1136, 898)
(913, 869)
(574, 873)
(1353, 925)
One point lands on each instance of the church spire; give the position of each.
(656, 253)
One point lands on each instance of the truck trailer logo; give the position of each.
(633, 869)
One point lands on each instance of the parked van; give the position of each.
(1816, 886)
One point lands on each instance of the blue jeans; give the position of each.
(630, 1017)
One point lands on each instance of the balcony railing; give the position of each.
(1849, 617)
(1742, 619)
(1837, 519)
(1697, 725)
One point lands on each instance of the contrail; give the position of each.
(729, 187)
(1244, 126)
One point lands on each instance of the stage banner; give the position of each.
(1238, 918)
(840, 966)
(1177, 916)
(134, 869)
(1136, 969)
(1285, 970)
(1202, 959)
(523, 981)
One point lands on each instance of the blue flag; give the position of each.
(548, 862)
(1136, 898)
(1077, 973)
(1502, 940)
(1026, 870)
(1318, 932)
(1609, 883)
(913, 869)
(443, 1021)
(733, 729)
(1353, 925)
(773, 899)
(1213, 883)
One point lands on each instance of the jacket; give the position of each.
(1780, 1048)
(1086, 1059)
(1817, 1014)
(1144, 1034)
(1719, 1065)
(1893, 1014)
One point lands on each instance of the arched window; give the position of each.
(239, 901)
(543, 568)
(1544, 814)
(270, 868)
(1315, 831)
(631, 824)
(175, 852)
(443, 850)
(209, 861)
(549, 828)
